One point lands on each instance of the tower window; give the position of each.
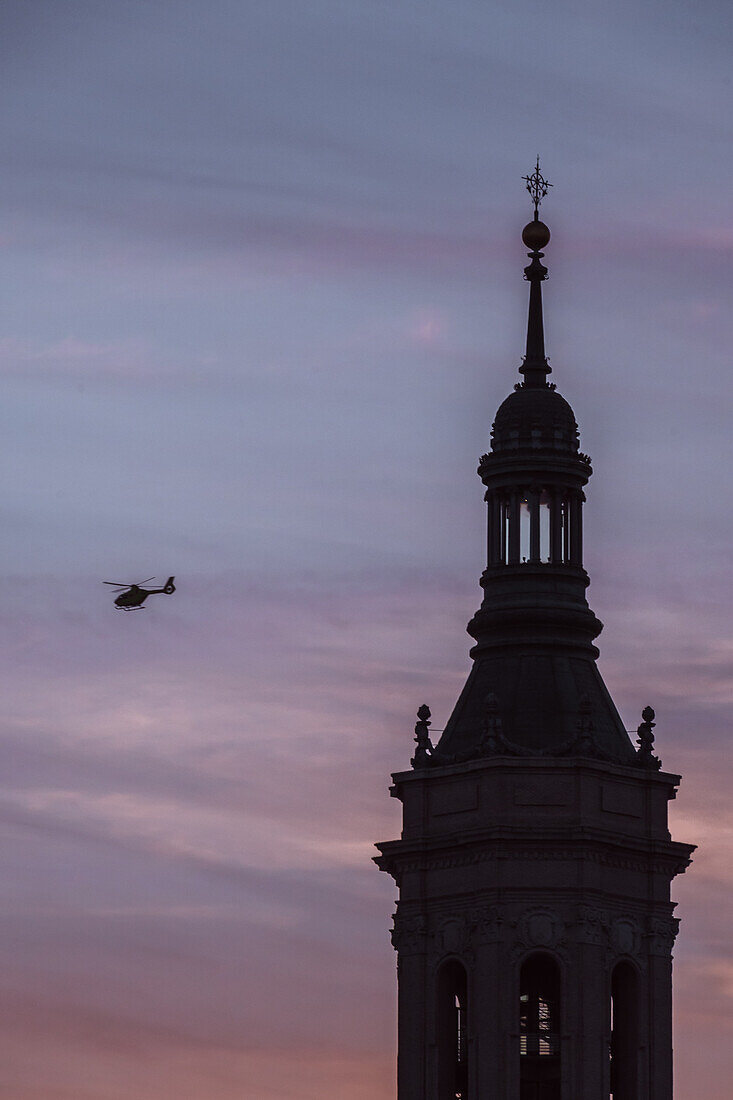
(545, 502)
(534, 527)
(505, 518)
(524, 529)
(624, 1032)
(539, 1029)
(452, 1034)
(566, 530)
(460, 1031)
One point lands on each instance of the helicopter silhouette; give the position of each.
(134, 595)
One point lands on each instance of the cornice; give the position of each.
(523, 844)
(541, 765)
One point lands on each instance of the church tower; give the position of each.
(534, 927)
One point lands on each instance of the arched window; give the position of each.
(525, 527)
(534, 524)
(520, 527)
(624, 1032)
(539, 1029)
(545, 519)
(452, 1023)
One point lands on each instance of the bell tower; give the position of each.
(534, 927)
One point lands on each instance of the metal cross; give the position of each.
(537, 186)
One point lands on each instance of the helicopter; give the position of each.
(134, 595)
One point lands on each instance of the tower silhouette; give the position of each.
(534, 927)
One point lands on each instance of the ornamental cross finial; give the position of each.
(537, 186)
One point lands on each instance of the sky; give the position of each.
(262, 295)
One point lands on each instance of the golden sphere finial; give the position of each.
(535, 235)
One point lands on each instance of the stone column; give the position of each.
(508, 999)
(565, 506)
(586, 1049)
(409, 938)
(486, 1021)
(576, 528)
(661, 932)
(492, 528)
(556, 528)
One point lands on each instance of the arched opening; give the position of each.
(525, 528)
(544, 525)
(505, 509)
(624, 1032)
(565, 506)
(535, 524)
(520, 528)
(452, 1031)
(539, 1029)
(576, 528)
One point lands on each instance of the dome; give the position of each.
(535, 416)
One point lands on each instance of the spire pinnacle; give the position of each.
(535, 235)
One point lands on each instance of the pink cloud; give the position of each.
(201, 844)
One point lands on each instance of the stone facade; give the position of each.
(502, 858)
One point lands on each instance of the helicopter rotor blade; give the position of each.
(118, 584)
(138, 583)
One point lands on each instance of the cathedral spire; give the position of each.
(534, 927)
(534, 632)
(535, 235)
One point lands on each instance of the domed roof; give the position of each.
(535, 416)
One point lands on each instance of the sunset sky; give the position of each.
(262, 296)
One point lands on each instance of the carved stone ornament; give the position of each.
(453, 937)
(592, 925)
(495, 742)
(626, 936)
(539, 928)
(492, 726)
(584, 744)
(661, 933)
(409, 934)
(485, 924)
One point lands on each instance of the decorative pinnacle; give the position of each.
(424, 750)
(536, 236)
(537, 186)
(645, 752)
